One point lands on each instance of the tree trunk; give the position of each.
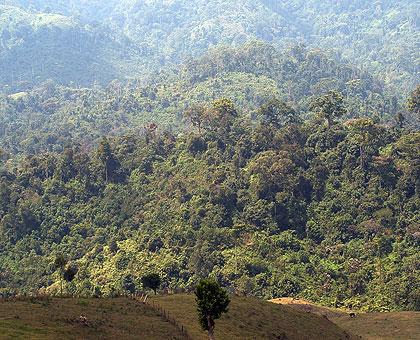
(329, 122)
(362, 155)
(210, 323)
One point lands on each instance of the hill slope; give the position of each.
(49, 116)
(379, 36)
(122, 318)
(249, 318)
(328, 213)
(35, 47)
(370, 326)
(383, 326)
(51, 319)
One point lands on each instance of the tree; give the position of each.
(329, 106)
(212, 302)
(3, 154)
(400, 119)
(362, 131)
(222, 116)
(70, 272)
(414, 101)
(413, 105)
(110, 163)
(151, 281)
(128, 284)
(197, 115)
(277, 113)
(66, 169)
(60, 263)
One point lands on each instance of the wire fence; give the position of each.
(164, 314)
(141, 298)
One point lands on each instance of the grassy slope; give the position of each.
(106, 319)
(383, 326)
(370, 326)
(249, 318)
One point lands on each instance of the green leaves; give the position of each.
(267, 209)
(212, 302)
(329, 107)
(151, 281)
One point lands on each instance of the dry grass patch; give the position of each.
(383, 326)
(369, 326)
(101, 319)
(249, 318)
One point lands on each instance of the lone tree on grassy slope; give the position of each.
(212, 302)
(151, 281)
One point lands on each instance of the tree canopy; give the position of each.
(212, 302)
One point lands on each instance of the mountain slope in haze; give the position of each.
(379, 36)
(39, 46)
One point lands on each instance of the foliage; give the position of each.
(300, 209)
(152, 281)
(212, 302)
(128, 284)
(70, 273)
(87, 41)
(50, 117)
(213, 160)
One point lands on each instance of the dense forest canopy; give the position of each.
(271, 145)
(271, 208)
(50, 116)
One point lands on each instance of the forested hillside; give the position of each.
(378, 36)
(35, 47)
(50, 116)
(272, 145)
(274, 207)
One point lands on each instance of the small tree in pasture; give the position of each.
(212, 302)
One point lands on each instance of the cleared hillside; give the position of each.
(247, 318)
(61, 319)
(369, 326)
(383, 326)
(250, 318)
